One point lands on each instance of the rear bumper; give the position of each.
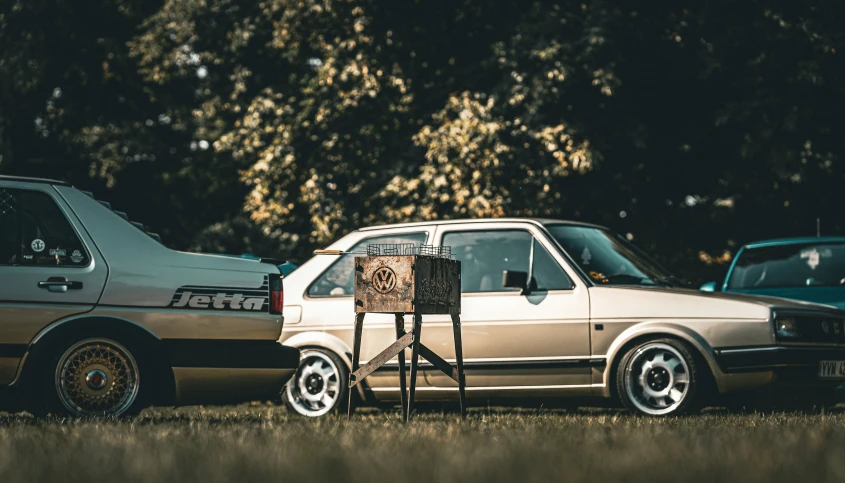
(229, 371)
(798, 364)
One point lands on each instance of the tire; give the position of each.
(660, 377)
(319, 386)
(93, 377)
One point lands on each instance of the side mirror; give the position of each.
(515, 279)
(708, 287)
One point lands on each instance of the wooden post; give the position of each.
(356, 354)
(415, 362)
(400, 332)
(459, 358)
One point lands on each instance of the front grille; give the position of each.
(820, 329)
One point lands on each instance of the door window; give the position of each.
(485, 255)
(546, 273)
(34, 231)
(338, 280)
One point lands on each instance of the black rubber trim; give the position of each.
(12, 350)
(25, 179)
(772, 358)
(38, 302)
(515, 365)
(232, 354)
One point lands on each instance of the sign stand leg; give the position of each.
(459, 358)
(356, 354)
(400, 331)
(415, 359)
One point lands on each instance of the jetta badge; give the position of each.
(384, 280)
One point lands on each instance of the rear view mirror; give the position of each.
(515, 279)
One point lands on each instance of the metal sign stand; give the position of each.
(405, 279)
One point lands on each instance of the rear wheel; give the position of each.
(659, 378)
(93, 377)
(319, 385)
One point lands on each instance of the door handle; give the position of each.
(59, 285)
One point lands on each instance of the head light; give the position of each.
(786, 327)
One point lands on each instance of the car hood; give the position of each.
(632, 302)
(834, 296)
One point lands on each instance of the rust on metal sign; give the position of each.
(438, 285)
(384, 284)
(407, 284)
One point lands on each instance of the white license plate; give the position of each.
(832, 369)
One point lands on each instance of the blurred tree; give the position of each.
(279, 125)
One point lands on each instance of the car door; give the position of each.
(329, 303)
(49, 269)
(512, 340)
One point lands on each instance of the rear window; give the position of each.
(790, 266)
(34, 231)
(339, 279)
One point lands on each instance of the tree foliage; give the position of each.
(279, 125)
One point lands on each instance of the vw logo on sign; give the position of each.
(384, 280)
(825, 328)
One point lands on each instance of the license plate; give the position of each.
(832, 369)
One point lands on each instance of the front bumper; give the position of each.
(786, 363)
(229, 371)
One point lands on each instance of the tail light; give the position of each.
(277, 294)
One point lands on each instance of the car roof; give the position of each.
(776, 242)
(536, 221)
(25, 179)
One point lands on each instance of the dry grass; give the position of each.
(264, 443)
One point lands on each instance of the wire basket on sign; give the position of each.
(379, 249)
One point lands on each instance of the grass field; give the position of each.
(264, 443)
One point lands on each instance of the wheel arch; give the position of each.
(649, 331)
(67, 330)
(322, 340)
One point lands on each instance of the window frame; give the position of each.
(70, 221)
(535, 238)
(368, 236)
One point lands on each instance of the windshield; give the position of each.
(790, 266)
(607, 258)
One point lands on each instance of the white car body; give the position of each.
(554, 343)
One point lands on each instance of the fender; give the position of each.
(325, 341)
(79, 320)
(657, 329)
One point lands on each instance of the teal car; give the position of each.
(808, 269)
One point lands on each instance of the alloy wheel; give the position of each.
(316, 387)
(657, 379)
(97, 378)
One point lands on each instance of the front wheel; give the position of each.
(319, 385)
(659, 378)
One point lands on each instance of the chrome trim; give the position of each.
(750, 349)
(491, 388)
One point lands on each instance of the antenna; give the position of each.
(818, 227)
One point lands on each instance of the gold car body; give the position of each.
(557, 343)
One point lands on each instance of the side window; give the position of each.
(547, 274)
(338, 280)
(34, 231)
(484, 255)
